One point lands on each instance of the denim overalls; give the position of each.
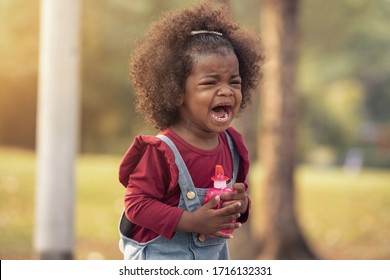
(183, 245)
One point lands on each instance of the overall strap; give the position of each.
(186, 184)
(236, 158)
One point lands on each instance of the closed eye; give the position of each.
(208, 83)
(236, 82)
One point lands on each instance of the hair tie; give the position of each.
(205, 32)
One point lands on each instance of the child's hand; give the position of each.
(210, 221)
(215, 220)
(239, 195)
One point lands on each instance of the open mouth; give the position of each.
(221, 113)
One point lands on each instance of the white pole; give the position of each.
(57, 128)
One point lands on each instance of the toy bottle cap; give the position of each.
(219, 175)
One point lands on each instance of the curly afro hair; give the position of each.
(164, 58)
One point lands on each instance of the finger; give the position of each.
(231, 221)
(231, 225)
(227, 203)
(228, 196)
(214, 202)
(227, 226)
(230, 209)
(239, 187)
(238, 191)
(221, 234)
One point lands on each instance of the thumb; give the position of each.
(239, 187)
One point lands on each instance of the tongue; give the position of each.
(219, 111)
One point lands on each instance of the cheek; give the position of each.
(238, 100)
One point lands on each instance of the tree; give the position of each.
(57, 129)
(282, 238)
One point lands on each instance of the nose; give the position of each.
(225, 90)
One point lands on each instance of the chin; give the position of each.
(222, 128)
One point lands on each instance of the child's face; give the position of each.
(212, 93)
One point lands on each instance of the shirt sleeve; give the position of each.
(151, 193)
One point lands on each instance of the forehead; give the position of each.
(225, 61)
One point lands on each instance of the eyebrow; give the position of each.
(214, 75)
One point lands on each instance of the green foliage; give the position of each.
(344, 70)
(332, 116)
(18, 77)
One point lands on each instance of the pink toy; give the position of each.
(219, 188)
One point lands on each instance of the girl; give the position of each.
(193, 72)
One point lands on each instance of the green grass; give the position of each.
(99, 202)
(342, 216)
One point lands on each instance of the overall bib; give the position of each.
(183, 245)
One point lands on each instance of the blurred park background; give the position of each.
(343, 82)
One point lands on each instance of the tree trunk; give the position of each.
(57, 128)
(282, 236)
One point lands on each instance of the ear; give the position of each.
(180, 100)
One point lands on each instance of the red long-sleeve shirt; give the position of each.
(150, 175)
